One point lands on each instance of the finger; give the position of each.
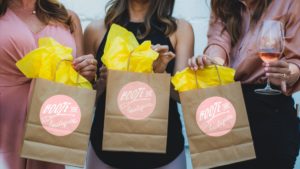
(86, 63)
(161, 48)
(263, 79)
(81, 65)
(194, 63)
(276, 75)
(190, 62)
(89, 68)
(169, 55)
(93, 62)
(199, 62)
(155, 46)
(88, 73)
(82, 58)
(78, 60)
(206, 61)
(279, 63)
(277, 70)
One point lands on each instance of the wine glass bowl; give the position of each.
(269, 55)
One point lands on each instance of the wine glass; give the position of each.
(271, 45)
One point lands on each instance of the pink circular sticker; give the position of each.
(60, 115)
(136, 100)
(216, 116)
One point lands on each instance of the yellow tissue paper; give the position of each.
(209, 76)
(123, 52)
(52, 61)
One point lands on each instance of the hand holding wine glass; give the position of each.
(271, 46)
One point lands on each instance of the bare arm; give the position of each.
(218, 47)
(77, 33)
(183, 41)
(86, 65)
(93, 36)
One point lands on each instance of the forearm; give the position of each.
(217, 53)
(159, 67)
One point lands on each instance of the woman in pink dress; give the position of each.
(22, 23)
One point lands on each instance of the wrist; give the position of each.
(217, 53)
(160, 67)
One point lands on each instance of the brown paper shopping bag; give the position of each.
(217, 125)
(136, 112)
(58, 123)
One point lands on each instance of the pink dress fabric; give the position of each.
(16, 40)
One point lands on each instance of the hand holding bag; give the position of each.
(60, 106)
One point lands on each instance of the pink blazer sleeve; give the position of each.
(218, 39)
(292, 41)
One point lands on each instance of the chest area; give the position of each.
(18, 34)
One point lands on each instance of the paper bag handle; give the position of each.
(57, 66)
(218, 73)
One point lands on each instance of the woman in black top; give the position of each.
(148, 20)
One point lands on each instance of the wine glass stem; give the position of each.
(268, 87)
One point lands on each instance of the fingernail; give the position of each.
(266, 69)
(267, 74)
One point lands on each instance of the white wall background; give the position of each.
(194, 11)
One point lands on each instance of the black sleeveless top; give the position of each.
(131, 160)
